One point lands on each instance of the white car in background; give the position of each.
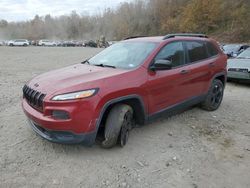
(45, 42)
(112, 42)
(18, 42)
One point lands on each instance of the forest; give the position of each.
(225, 20)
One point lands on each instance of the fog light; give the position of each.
(59, 114)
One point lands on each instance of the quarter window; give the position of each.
(173, 52)
(196, 51)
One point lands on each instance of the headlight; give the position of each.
(75, 95)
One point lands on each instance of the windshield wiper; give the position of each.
(85, 62)
(104, 65)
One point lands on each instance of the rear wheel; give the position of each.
(214, 96)
(118, 124)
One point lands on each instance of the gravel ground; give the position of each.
(192, 149)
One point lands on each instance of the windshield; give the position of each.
(126, 55)
(231, 48)
(245, 54)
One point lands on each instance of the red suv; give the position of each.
(129, 83)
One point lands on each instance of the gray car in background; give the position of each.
(239, 67)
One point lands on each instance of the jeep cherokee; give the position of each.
(129, 83)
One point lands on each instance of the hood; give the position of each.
(72, 78)
(238, 63)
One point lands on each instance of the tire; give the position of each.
(214, 96)
(118, 124)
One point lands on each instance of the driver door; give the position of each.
(168, 87)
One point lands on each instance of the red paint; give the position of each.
(158, 90)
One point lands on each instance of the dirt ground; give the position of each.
(192, 149)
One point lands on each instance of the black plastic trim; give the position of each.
(218, 75)
(148, 118)
(185, 35)
(176, 108)
(63, 137)
(133, 37)
(120, 99)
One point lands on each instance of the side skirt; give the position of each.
(177, 108)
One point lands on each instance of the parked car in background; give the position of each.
(18, 42)
(90, 43)
(112, 42)
(45, 42)
(78, 43)
(2, 43)
(239, 67)
(131, 82)
(232, 50)
(69, 44)
(34, 42)
(59, 43)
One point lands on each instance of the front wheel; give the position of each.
(119, 123)
(214, 96)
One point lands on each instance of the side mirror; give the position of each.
(161, 64)
(229, 55)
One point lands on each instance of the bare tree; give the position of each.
(223, 19)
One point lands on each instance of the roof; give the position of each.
(159, 39)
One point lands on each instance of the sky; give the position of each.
(22, 10)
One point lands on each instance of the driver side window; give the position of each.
(174, 52)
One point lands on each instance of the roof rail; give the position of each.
(185, 35)
(133, 37)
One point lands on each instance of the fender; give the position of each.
(116, 100)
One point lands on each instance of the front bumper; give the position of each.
(238, 75)
(63, 136)
(79, 128)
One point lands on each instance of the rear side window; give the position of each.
(196, 51)
(212, 50)
(173, 52)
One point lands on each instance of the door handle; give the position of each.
(184, 72)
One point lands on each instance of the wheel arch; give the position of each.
(220, 76)
(135, 101)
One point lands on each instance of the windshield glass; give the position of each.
(245, 54)
(125, 55)
(231, 47)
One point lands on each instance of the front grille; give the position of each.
(238, 70)
(33, 97)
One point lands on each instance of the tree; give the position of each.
(201, 16)
(225, 20)
(3, 23)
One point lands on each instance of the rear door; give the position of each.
(200, 67)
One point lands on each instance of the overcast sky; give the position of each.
(18, 10)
